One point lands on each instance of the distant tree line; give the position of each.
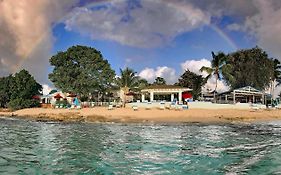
(17, 91)
(83, 70)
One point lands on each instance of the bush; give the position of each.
(17, 104)
(63, 103)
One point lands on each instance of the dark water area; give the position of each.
(28, 147)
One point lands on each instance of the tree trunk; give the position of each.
(216, 89)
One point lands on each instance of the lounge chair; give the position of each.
(184, 107)
(148, 106)
(135, 108)
(110, 107)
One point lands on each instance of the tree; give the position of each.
(159, 81)
(81, 70)
(23, 87)
(276, 78)
(218, 66)
(129, 81)
(193, 81)
(5, 90)
(250, 67)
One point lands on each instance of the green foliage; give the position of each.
(20, 103)
(81, 70)
(193, 81)
(24, 86)
(63, 103)
(250, 67)
(218, 67)
(17, 91)
(277, 71)
(159, 81)
(128, 79)
(5, 90)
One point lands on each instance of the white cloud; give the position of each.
(148, 24)
(195, 66)
(266, 27)
(26, 34)
(46, 89)
(169, 74)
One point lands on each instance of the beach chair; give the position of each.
(184, 107)
(162, 107)
(148, 106)
(110, 107)
(135, 108)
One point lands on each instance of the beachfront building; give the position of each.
(243, 95)
(171, 90)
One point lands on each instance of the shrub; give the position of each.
(17, 104)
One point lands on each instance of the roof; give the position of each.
(245, 90)
(165, 88)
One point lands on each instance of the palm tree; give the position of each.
(127, 81)
(276, 78)
(159, 81)
(218, 64)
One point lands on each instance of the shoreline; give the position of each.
(128, 115)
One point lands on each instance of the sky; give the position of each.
(154, 37)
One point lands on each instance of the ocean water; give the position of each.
(28, 147)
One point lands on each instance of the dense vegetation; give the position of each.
(159, 81)
(193, 81)
(81, 70)
(16, 91)
(250, 67)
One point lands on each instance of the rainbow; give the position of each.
(176, 6)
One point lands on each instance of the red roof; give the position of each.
(58, 96)
(130, 94)
(71, 95)
(36, 97)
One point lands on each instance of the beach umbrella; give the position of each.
(76, 102)
(58, 96)
(186, 95)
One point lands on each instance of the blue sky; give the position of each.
(193, 45)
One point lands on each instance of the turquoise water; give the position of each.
(28, 147)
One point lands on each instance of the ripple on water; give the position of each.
(52, 148)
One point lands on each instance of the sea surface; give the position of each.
(28, 147)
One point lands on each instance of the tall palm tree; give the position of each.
(217, 66)
(127, 81)
(276, 77)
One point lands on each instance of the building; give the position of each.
(243, 95)
(172, 90)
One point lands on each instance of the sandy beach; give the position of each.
(102, 114)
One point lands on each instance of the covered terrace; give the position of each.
(164, 90)
(243, 95)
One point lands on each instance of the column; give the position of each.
(234, 97)
(253, 99)
(180, 97)
(151, 96)
(142, 98)
(172, 97)
(226, 98)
